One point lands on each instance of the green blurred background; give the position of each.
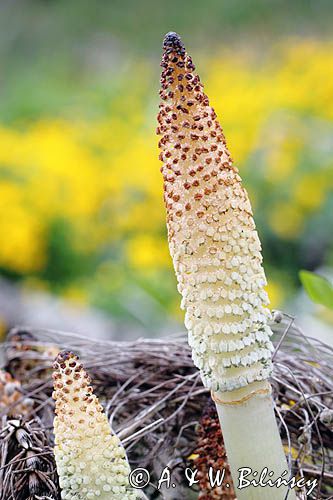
(81, 212)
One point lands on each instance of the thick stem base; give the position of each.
(253, 442)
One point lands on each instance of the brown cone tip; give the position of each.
(64, 356)
(173, 43)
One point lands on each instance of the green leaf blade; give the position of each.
(318, 288)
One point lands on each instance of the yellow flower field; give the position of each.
(100, 176)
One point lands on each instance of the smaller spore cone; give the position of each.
(212, 237)
(12, 399)
(27, 358)
(91, 461)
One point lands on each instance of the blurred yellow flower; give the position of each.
(310, 191)
(275, 293)
(3, 327)
(76, 294)
(148, 253)
(286, 220)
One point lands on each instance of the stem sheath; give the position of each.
(252, 441)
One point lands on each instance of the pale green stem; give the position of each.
(252, 440)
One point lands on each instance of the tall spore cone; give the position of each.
(217, 259)
(91, 462)
(213, 241)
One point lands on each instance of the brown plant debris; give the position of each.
(210, 455)
(27, 470)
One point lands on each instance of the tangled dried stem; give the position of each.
(28, 470)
